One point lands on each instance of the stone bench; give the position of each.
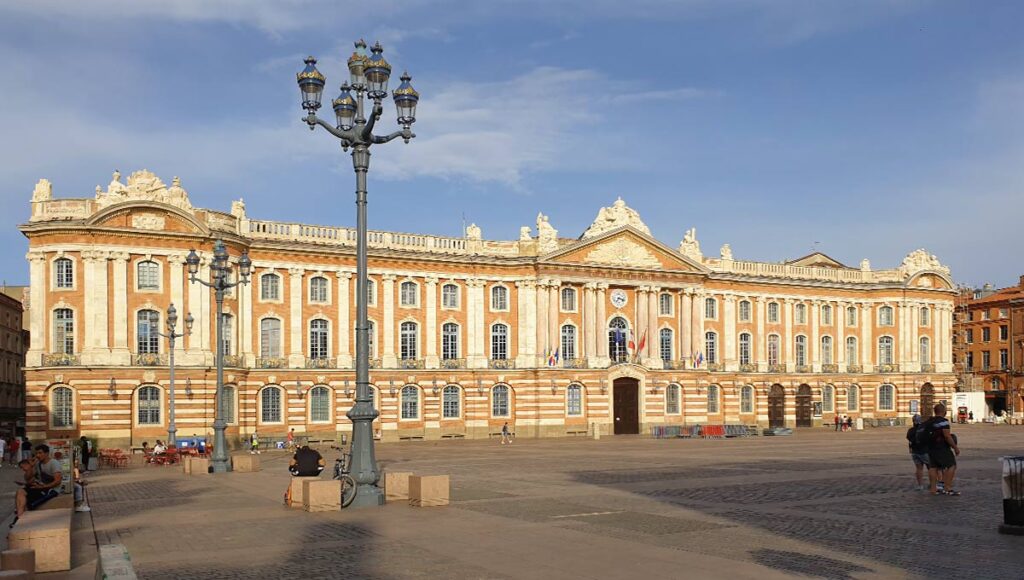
(297, 490)
(245, 463)
(62, 501)
(396, 485)
(48, 532)
(428, 490)
(321, 495)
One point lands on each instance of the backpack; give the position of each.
(923, 435)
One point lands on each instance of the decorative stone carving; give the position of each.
(865, 265)
(614, 217)
(623, 252)
(919, 260)
(148, 221)
(726, 252)
(524, 234)
(143, 185)
(473, 232)
(238, 208)
(547, 236)
(690, 247)
(43, 191)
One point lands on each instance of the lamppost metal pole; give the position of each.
(220, 272)
(170, 335)
(369, 77)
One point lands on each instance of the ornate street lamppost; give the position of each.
(170, 335)
(220, 280)
(368, 77)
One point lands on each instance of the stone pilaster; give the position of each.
(867, 346)
(41, 339)
(730, 357)
(761, 340)
(543, 342)
(602, 325)
(526, 293)
(388, 359)
(839, 346)
(788, 344)
(120, 354)
(686, 326)
(246, 335)
(554, 300)
(431, 360)
(814, 344)
(176, 283)
(296, 356)
(590, 321)
(95, 321)
(651, 351)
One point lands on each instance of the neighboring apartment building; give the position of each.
(989, 349)
(14, 343)
(555, 335)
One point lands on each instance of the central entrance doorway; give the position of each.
(777, 406)
(803, 407)
(626, 409)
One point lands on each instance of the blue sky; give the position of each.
(867, 128)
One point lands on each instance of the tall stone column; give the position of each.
(176, 273)
(120, 355)
(389, 360)
(554, 333)
(867, 323)
(431, 361)
(483, 334)
(686, 325)
(526, 294)
(41, 340)
(345, 326)
(296, 356)
(209, 312)
(590, 321)
(95, 320)
(789, 356)
(761, 340)
(651, 350)
(697, 324)
(729, 340)
(814, 344)
(601, 329)
(543, 315)
(839, 347)
(915, 335)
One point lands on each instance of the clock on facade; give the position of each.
(618, 298)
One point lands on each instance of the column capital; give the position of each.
(601, 286)
(730, 298)
(526, 284)
(388, 277)
(591, 286)
(94, 255)
(343, 275)
(475, 283)
(35, 256)
(296, 272)
(431, 279)
(176, 259)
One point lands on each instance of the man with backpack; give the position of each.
(918, 439)
(942, 452)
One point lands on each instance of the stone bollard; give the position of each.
(297, 491)
(596, 430)
(321, 495)
(246, 463)
(23, 559)
(428, 490)
(396, 485)
(198, 466)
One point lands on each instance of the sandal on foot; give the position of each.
(952, 492)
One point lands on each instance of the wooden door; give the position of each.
(803, 407)
(627, 409)
(777, 407)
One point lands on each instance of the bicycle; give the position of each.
(349, 489)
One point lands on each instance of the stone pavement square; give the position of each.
(818, 504)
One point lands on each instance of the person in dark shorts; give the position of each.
(918, 451)
(942, 452)
(306, 462)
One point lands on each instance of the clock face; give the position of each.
(619, 298)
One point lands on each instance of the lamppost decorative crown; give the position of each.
(311, 85)
(357, 64)
(377, 72)
(406, 98)
(345, 108)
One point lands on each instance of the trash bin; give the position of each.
(1013, 495)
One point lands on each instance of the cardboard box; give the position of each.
(297, 490)
(48, 532)
(428, 490)
(396, 485)
(246, 463)
(321, 495)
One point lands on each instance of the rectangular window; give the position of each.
(149, 275)
(672, 400)
(826, 315)
(574, 401)
(318, 289)
(449, 296)
(1004, 359)
(710, 309)
(970, 361)
(450, 341)
(986, 360)
(568, 300)
(408, 294)
(499, 342)
(665, 304)
(747, 400)
(270, 288)
(1004, 332)
(318, 339)
(665, 346)
(986, 334)
(568, 342)
(226, 336)
(64, 331)
(1004, 313)
(800, 314)
(65, 273)
(773, 312)
(745, 311)
(970, 336)
(851, 316)
(270, 338)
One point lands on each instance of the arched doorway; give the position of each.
(618, 328)
(626, 407)
(803, 406)
(777, 406)
(927, 400)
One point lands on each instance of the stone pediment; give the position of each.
(142, 185)
(624, 247)
(817, 260)
(153, 217)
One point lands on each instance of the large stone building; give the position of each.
(989, 347)
(14, 340)
(554, 335)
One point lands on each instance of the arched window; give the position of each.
(499, 298)
(800, 350)
(450, 341)
(371, 291)
(672, 399)
(407, 340)
(773, 312)
(885, 316)
(665, 304)
(499, 342)
(270, 405)
(744, 348)
(319, 404)
(227, 394)
(710, 347)
(270, 338)
(926, 316)
(410, 402)
(773, 349)
(574, 401)
(270, 287)
(800, 313)
(568, 300)
(449, 296)
(828, 401)
(408, 293)
(885, 350)
(568, 342)
(62, 407)
(318, 289)
(996, 384)
(64, 272)
(147, 340)
(499, 401)
(747, 399)
(886, 398)
(451, 402)
(617, 339)
(712, 399)
(851, 316)
(853, 398)
(64, 331)
(318, 329)
(710, 308)
(851, 350)
(149, 405)
(744, 311)
(826, 350)
(665, 343)
(148, 275)
(926, 350)
(228, 323)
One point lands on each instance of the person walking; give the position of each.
(918, 450)
(291, 438)
(837, 422)
(942, 452)
(3, 449)
(254, 444)
(849, 423)
(506, 435)
(85, 451)
(15, 450)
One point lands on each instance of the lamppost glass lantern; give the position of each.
(244, 264)
(189, 321)
(345, 108)
(311, 85)
(356, 65)
(406, 98)
(193, 263)
(377, 73)
(172, 317)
